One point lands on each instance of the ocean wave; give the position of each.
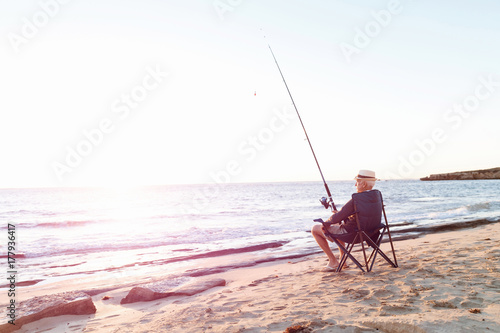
(426, 199)
(448, 214)
(88, 240)
(479, 206)
(467, 210)
(59, 224)
(447, 226)
(24, 212)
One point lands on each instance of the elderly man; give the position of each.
(365, 180)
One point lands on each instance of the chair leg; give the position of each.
(369, 262)
(374, 253)
(347, 253)
(395, 264)
(344, 254)
(363, 234)
(378, 250)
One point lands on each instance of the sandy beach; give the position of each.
(446, 282)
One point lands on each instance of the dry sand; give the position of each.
(446, 282)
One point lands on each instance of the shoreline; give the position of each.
(245, 251)
(442, 282)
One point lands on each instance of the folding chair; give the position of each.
(369, 209)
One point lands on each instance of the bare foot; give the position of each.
(332, 266)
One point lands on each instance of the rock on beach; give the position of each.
(159, 290)
(69, 303)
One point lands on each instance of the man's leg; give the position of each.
(319, 236)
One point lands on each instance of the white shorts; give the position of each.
(337, 229)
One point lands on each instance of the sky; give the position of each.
(124, 93)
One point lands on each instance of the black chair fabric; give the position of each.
(368, 207)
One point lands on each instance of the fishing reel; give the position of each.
(324, 202)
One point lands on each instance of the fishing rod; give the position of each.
(323, 200)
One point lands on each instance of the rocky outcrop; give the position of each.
(493, 173)
(155, 291)
(70, 303)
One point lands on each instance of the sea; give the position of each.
(189, 231)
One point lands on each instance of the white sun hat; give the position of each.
(366, 175)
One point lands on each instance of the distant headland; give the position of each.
(493, 173)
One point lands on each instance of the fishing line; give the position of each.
(323, 200)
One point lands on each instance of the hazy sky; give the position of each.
(157, 92)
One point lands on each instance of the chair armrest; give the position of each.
(325, 224)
